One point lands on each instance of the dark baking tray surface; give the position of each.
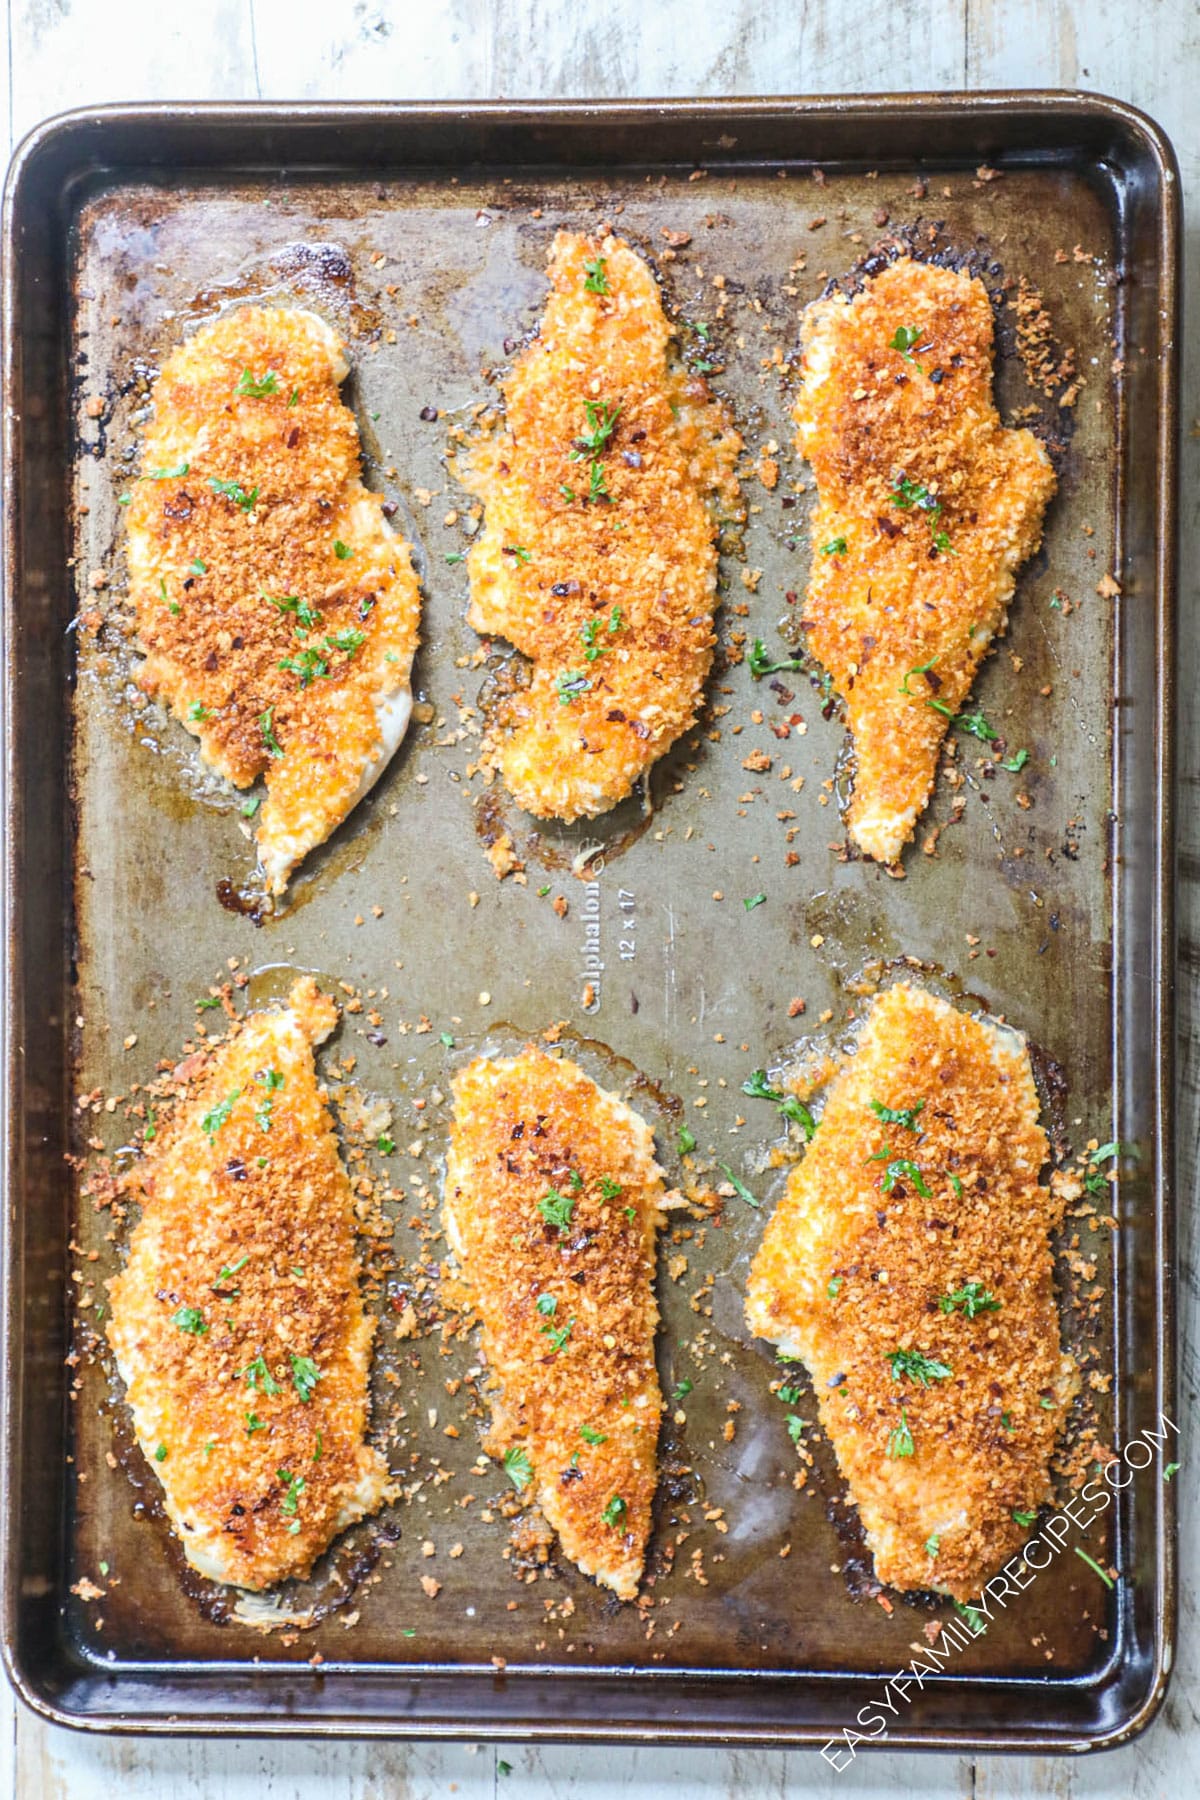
(125, 225)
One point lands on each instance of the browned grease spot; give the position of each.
(254, 907)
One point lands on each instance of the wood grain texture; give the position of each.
(71, 52)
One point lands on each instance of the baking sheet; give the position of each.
(671, 987)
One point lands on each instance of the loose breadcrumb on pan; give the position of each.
(598, 556)
(237, 1323)
(927, 507)
(552, 1204)
(277, 609)
(909, 1266)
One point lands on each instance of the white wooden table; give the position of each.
(63, 53)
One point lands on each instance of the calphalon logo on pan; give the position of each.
(1048, 1542)
(593, 962)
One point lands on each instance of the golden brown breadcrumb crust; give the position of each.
(849, 1273)
(568, 1309)
(607, 547)
(288, 560)
(927, 508)
(239, 1299)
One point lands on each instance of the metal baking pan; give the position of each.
(125, 225)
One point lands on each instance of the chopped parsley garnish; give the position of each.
(575, 1179)
(1015, 763)
(213, 1120)
(197, 711)
(305, 1375)
(957, 1185)
(191, 1320)
(568, 493)
(1171, 1469)
(908, 496)
(385, 1145)
(592, 1437)
(294, 397)
(898, 1115)
(974, 724)
(1096, 1181)
(343, 552)
(518, 1467)
(918, 1367)
(597, 485)
(942, 545)
(739, 1187)
(198, 567)
(610, 1189)
(973, 1299)
(233, 490)
(796, 1427)
(900, 1438)
(230, 1270)
(933, 1545)
(347, 641)
(760, 661)
(1024, 1519)
(906, 340)
(307, 666)
(271, 1079)
(901, 1166)
(556, 1208)
(601, 423)
(456, 556)
(294, 1484)
(257, 390)
(686, 1140)
(920, 669)
(683, 1387)
(447, 1039)
(593, 643)
(547, 1305)
(835, 547)
(259, 1376)
(753, 900)
(522, 555)
(306, 616)
(267, 727)
(570, 684)
(759, 1088)
(614, 1512)
(833, 1286)
(596, 276)
(174, 474)
(160, 1455)
(1094, 1565)
(559, 1335)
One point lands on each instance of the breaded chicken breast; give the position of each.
(927, 508)
(237, 1322)
(277, 609)
(598, 555)
(552, 1203)
(909, 1266)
